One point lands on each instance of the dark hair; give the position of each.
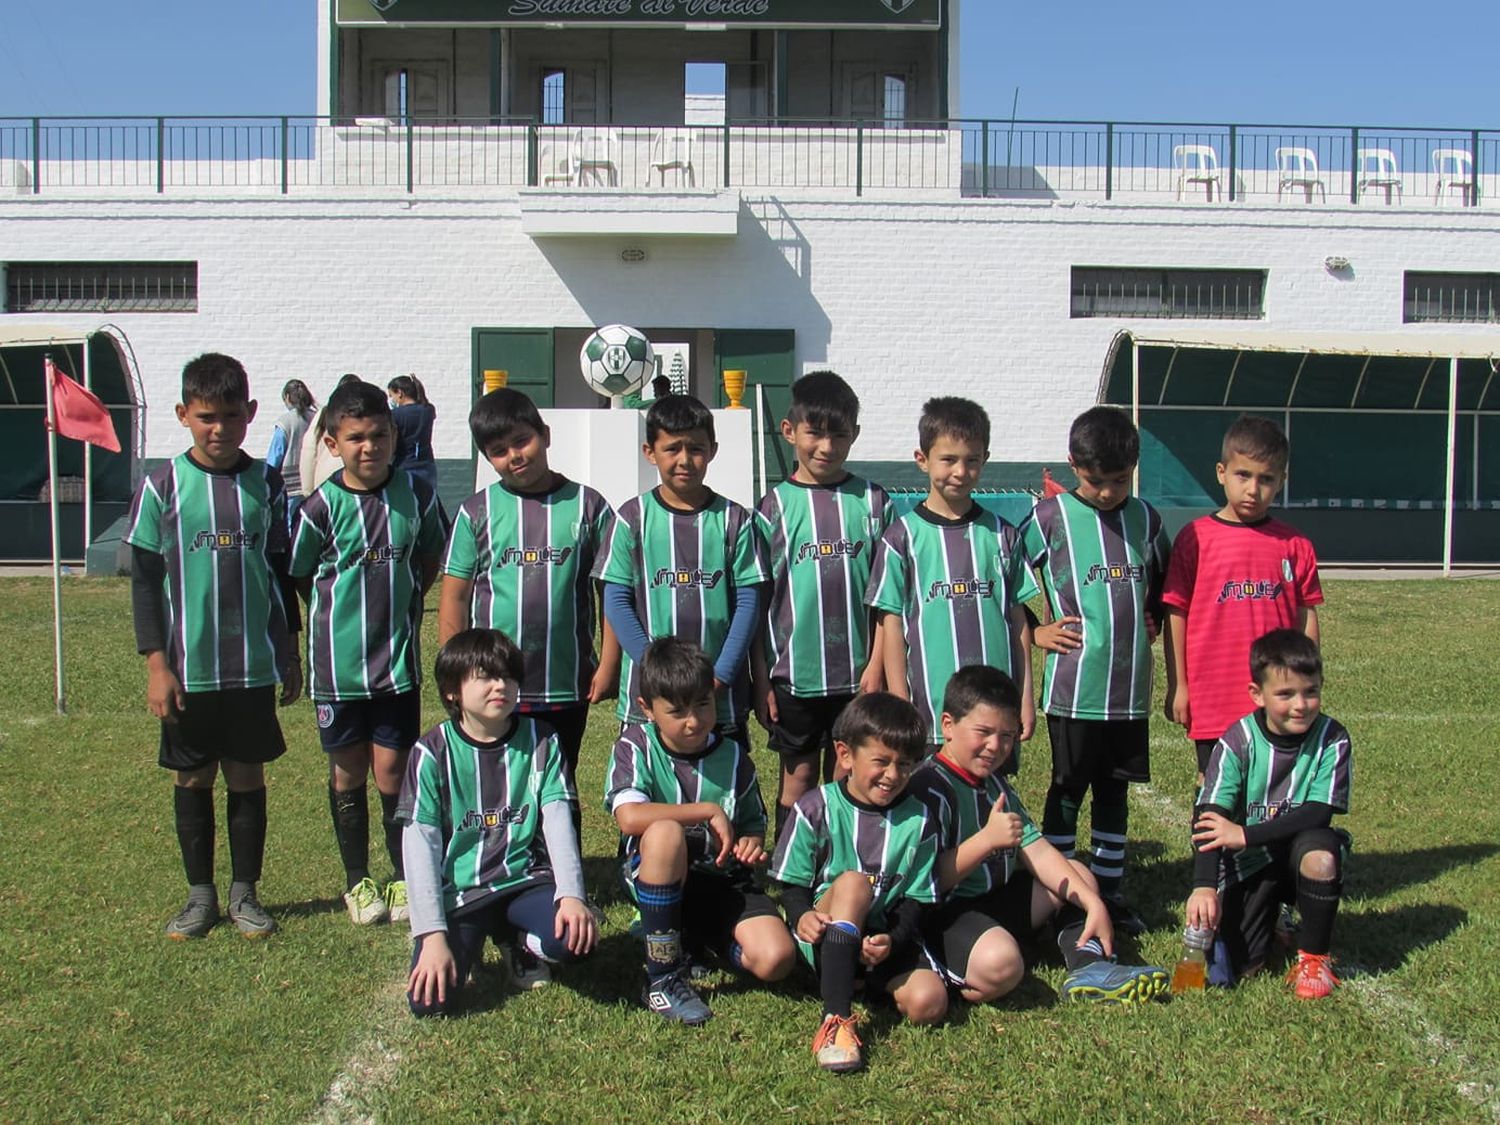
(353, 400)
(474, 652)
(824, 401)
(677, 414)
(676, 672)
(496, 414)
(410, 386)
(296, 395)
(1290, 649)
(1257, 438)
(346, 378)
(958, 418)
(882, 717)
(1104, 440)
(980, 685)
(215, 378)
(661, 386)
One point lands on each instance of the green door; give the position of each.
(526, 353)
(768, 358)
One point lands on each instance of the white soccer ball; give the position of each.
(616, 359)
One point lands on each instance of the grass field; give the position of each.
(101, 1017)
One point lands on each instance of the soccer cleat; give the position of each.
(251, 918)
(194, 920)
(366, 904)
(1221, 972)
(528, 972)
(1122, 917)
(1312, 975)
(837, 1047)
(673, 998)
(395, 901)
(1113, 983)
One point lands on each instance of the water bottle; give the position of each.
(1192, 970)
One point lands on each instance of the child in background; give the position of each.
(1234, 576)
(694, 825)
(367, 547)
(821, 525)
(483, 792)
(208, 543)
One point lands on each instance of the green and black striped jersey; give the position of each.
(217, 530)
(529, 557)
(1254, 781)
(683, 569)
(364, 552)
(961, 808)
(1107, 568)
(486, 798)
(829, 833)
(953, 584)
(821, 541)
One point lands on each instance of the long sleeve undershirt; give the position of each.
(619, 608)
(1309, 814)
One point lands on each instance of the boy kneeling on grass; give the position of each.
(479, 789)
(1262, 827)
(1004, 881)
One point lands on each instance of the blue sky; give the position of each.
(1369, 63)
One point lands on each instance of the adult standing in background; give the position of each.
(318, 462)
(285, 454)
(413, 416)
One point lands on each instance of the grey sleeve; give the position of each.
(422, 851)
(562, 849)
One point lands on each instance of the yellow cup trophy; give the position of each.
(734, 387)
(494, 379)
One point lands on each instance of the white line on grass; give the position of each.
(371, 1066)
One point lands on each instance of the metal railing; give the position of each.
(1136, 161)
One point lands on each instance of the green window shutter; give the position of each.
(526, 353)
(769, 358)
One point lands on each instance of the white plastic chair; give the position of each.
(1378, 169)
(1454, 168)
(1197, 164)
(556, 164)
(672, 151)
(597, 156)
(1298, 168)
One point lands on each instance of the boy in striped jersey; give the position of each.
(949, 578)
(367, 547)
(208, 541)
(1002, 878)
(822, 525)
(857, 864)
(519, 560)
(1102, 554)
(489, 841)
(1263, 821)
(693, 824)
(684, 561)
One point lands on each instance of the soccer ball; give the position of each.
(616, 359)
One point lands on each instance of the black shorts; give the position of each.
(1249, 909)
(392, 721)
(713, 902)
(569, 722)
(952, 930)
(1089, 750)
(238, 725)
(1205, 750)
(804, 723)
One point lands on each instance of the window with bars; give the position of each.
(554, 97)
(1181, 294)
(1461, 298)
(101, 287)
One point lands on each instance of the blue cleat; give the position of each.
(673, 998)
(1116, 984)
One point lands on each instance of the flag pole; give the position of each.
(88, 465)
(57, 650)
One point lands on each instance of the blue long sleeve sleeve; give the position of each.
(619, 607)
(741, 630)
(277, 453)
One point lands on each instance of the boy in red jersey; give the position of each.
(1234, 576)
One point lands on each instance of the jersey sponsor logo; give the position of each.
(1262, 591)
(535, 556)
(1263, 811)
(489, 819)
(225, 541)
(707, 579)
(382, 556)
(1114, 572)
(965, 589)
(828, 549)
(882, 881)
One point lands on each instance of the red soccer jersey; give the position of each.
(1236, 582)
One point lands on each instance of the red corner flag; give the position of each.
(1049, 486)
(79, 413)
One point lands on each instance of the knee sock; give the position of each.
(351, 827)
(1318, 903)
(661, 919)
(841, 944)
(1069, 928)
(247, 835)
(1111, 816)
(1060, 817)
(193, 810)
(393, 829)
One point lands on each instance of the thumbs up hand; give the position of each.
(1003, 828)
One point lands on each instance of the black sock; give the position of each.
(393, 829)
(247, 833)
(1070, 920)
(1060, 817)
(193, 810)
(1318, 903)
(661, 919)
(351, 827)
(841, 944)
